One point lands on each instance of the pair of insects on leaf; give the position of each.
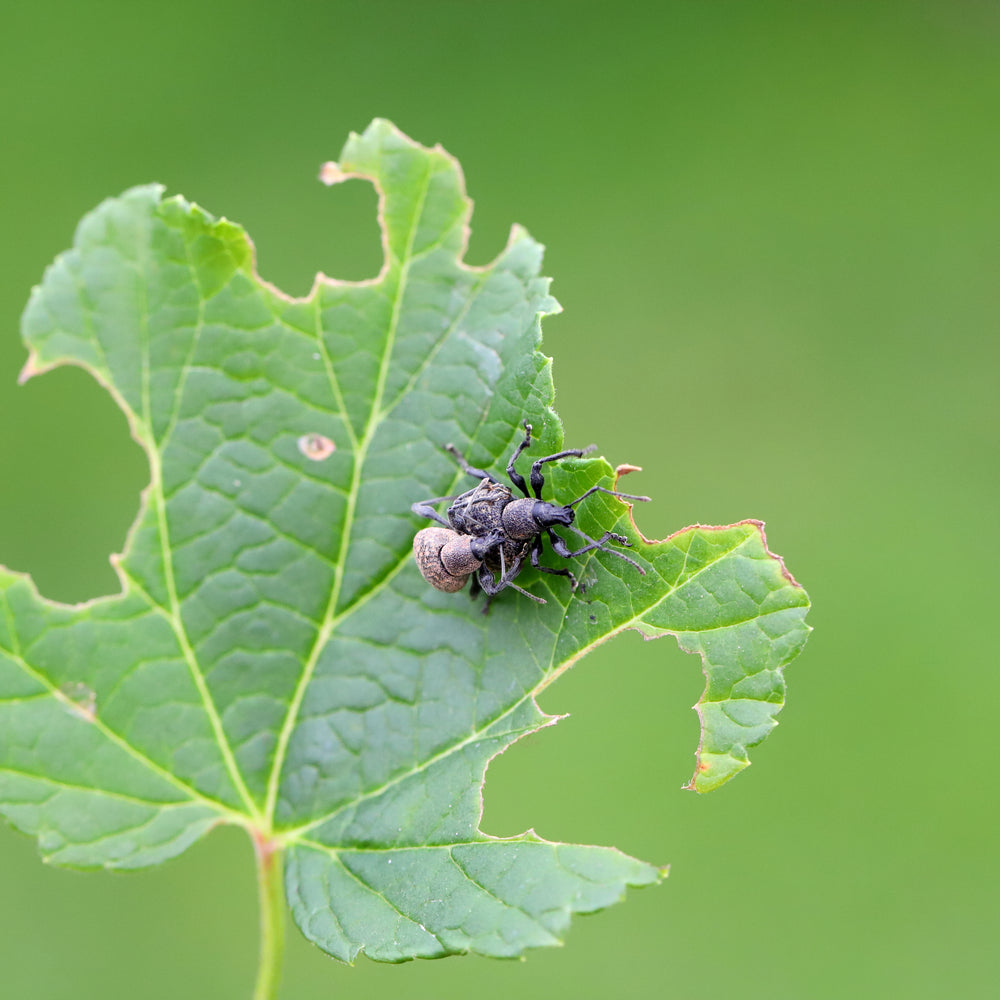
(489, 535)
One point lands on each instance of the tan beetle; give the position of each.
(447, 559)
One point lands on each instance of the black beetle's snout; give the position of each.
(548, 515)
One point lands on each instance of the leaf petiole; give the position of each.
(271, 901)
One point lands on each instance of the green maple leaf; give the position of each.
(274, 659)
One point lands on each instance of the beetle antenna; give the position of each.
(602, 489)
(521, 590)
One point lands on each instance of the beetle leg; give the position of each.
(602, 489)
(483, 580)
(492, 586)
(562, 549)
(512, 474)
(425, 508)
(502, 585)
(536, 477)
(536, 551)
(465, 467)
(489, 586)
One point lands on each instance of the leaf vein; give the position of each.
(359, 455)
(118, 740)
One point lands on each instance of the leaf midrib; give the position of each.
(160, 508)
(360, 454)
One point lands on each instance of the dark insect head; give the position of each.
(548, 515)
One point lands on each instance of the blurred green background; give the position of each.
(773, 227)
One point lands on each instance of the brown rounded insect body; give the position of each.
(488, 534)
(445, 558)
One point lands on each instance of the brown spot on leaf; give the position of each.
(316, 447)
